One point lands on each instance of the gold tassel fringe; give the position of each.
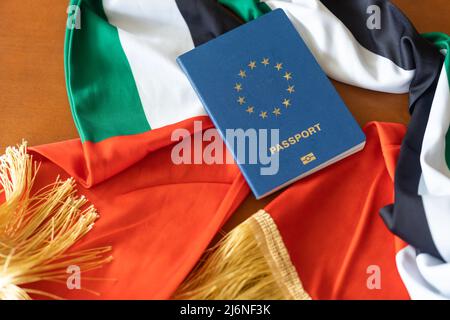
(36, 230)
(250, 262)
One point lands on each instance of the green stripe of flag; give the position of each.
(99, 78)
(247, 9)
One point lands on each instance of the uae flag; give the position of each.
(127, 96)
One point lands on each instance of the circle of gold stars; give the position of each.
(265, 62)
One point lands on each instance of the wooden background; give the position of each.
(33, 99)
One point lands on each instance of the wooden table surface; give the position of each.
(33, 99)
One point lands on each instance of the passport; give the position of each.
(272, 104)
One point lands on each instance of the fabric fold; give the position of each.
(158, 216)
(328, 239)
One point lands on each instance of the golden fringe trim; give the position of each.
(277, 256)
(36, 230)
(249, 263)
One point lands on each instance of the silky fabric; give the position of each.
(158, 217)
(330, 225)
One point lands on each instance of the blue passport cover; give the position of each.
(261, 75)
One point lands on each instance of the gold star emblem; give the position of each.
(286, 103)
(276, 112)
(263, 114)
(265, 61)
(238, 87)
(290, 89)
(241, 100)
(288, 75)
(252, 65)
(242, 74)
(279, 66)
(250, 109)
